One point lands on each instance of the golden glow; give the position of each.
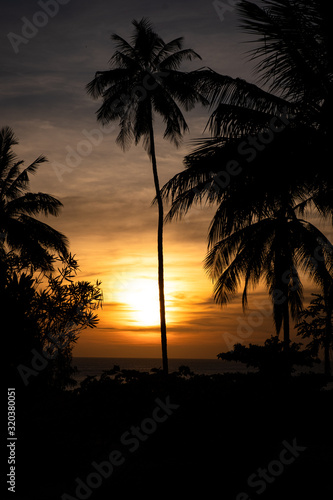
(141, 298)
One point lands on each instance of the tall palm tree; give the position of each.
(144, 80)
(21, 233)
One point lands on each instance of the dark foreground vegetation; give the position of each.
(217, 431)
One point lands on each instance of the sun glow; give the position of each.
(142, 298)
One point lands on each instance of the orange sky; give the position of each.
(107, 193)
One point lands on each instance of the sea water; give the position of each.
(96, 366)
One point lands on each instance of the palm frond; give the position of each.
(183, 89)
(25, 232)
(7, 155)
(126, 132)
(106, 79)
(146, 41)
(175, 124)
(238, 92)
(123, 46)
(17, 181)
(228, 120)
(173, 61)
(33, 204)
(168, 48)
(287, 45)
(123, 61)
(145, 66)
(31, 242)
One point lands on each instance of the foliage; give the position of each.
(270, 358)
(274, 250)
(33, 241)
(257, 167)
(18, 321)
(273, 138)
(312, 324)
(47, 313)
(64, 309)
(144, 79)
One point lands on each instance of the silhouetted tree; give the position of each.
(44, 316)
(19, 324)
(145, 80)
(64, 308)
(32, 240)
(273, 250)
(272, 138)
(262, 140)
(293, 107)
(265, 142)
(270, 358)
(316, 324)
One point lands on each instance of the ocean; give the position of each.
(96, 366)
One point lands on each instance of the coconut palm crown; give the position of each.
(33, 241)
(278, 132)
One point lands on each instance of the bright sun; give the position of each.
(143, 299)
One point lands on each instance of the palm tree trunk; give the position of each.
(160, 251)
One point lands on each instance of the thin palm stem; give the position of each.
(159, 248)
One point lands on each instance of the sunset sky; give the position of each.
(106, 193)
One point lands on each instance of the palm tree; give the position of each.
(268, 144)
(285, 126)
(273, 249)
(31, 240)
(144, 80)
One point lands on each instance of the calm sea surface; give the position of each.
(96, 366)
